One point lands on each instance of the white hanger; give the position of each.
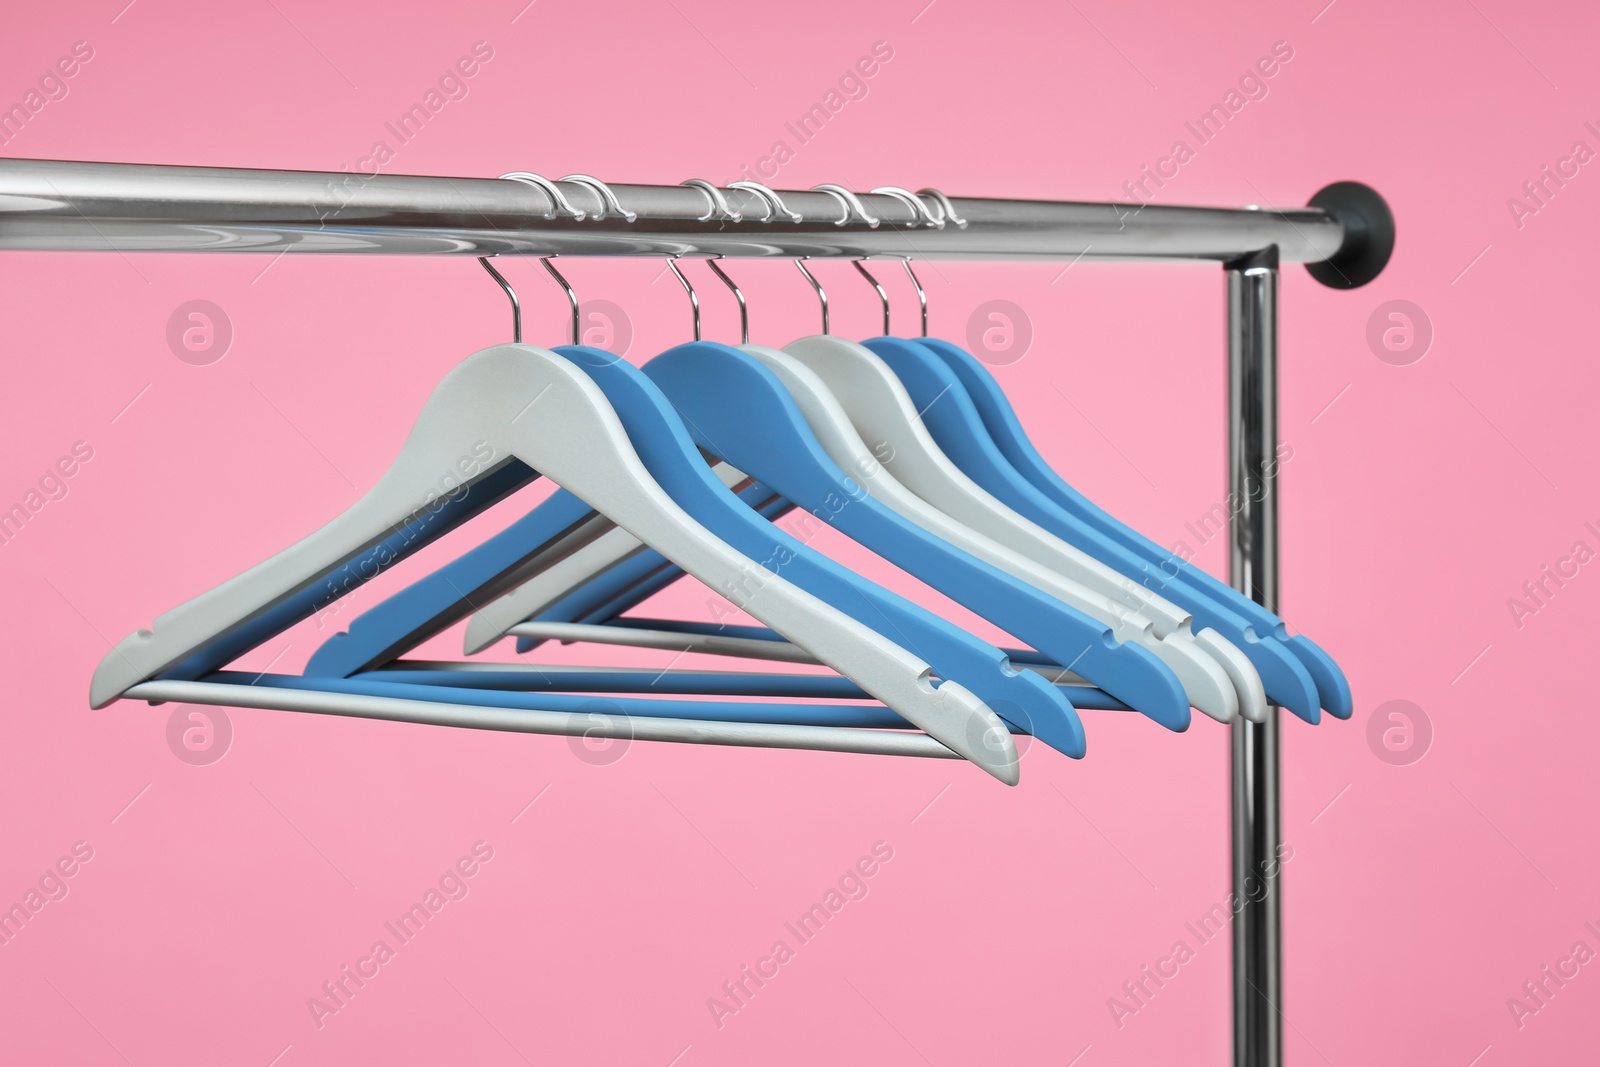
(517, 402)
(1214, 674)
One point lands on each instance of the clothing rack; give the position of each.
(1345, 237)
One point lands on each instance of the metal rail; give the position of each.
(52, 205)
(1252, 285)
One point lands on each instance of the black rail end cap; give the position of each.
(1368, 235)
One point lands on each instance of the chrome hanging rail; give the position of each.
(126, 207)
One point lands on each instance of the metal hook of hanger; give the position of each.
(516, 307)
(849, 201)
(694, 301)
(608, 199)
(775, 204)
(744, 309)
(720, 208)
(883, 296)
(560, 204)
(821, 295)
(946, 208)
(913, 201)
(572, 297)
(922, 297)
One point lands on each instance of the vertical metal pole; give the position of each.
(1253, 570)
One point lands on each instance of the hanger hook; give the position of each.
(720, 209)
(850, 202)
(516, 306)
(946, 209)
(775, 204)
(883, 296)
(572, 297)
(608, 199)
(922, 297)
(560, 205)
(914, 202)
(744, 309)
(694, 301)
(821, 295)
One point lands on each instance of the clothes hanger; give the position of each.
(1213, 603)
(469, 433)
(1286, 681)
(970, 499)
(434, 603)
(953, 422)
(951, 417)
(882, 411)
(1021, 698)
(778, 422)
(739, 412)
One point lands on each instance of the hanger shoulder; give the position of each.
(1155, 567)
(436, 468)
(956, 422)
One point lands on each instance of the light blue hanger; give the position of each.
(952, 418)
(1022, 699)
(1210, 600)
(738, 411)
(1213, 603)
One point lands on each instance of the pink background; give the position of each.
(219, 898)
